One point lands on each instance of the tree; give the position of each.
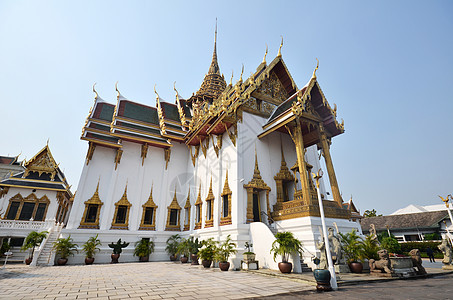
(371, 213)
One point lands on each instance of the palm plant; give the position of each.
(65, 247)
(184, 247)
(284, 245)
(225, 250)
(91, 246)
(208, 249)
(172, 244)
(32, 240)
(370, 248)
(352, 245)
(144, 248)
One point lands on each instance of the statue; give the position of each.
(337, 250)
(383, 264)
(321, 245)
(446, 250)
(417, 261)
(117, 249)
(373, 233)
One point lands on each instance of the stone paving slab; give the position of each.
(153, 280)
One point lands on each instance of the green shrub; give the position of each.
(391, 245)
(433, 236)
(408, 246)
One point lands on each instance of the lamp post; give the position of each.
(445, 200)
(333, 278)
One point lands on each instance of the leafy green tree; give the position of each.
(32, 240)
(391, 245)
(371, 213)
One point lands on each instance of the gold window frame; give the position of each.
(32, 198)
(198, 206)
(122, 202)
(94, 200)
(210, 197)
(174, 205)
(187, 217)
(149, 204)
(226, 192)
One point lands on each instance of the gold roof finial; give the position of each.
(47, 144)
(280, 49)
(231, 79)
(94, 91)
(242, 72)
(317, 66)
(116, 89)
(265, 54)
(256, 172)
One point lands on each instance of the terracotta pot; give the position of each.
(115, 258)
(184, 259)
(62, 261)
(356, 267)
(143, 258)
(206, 263)
(285, 267)
(322, 278)
(89, 260)
(172, 257)
(28, 261)
(194, 259)
(224, 266)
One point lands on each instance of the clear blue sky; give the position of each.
(388, 65)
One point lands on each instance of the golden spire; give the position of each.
(256, 172)
(116, 89)
(280, 49)
(231, 79)
(94, 91)
(242, 72)
(317, 66)
(226, 185)
(265, 54)
(283, 154)
(214, 68)
(182, 115)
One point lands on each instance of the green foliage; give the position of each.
(352, 245)
(195, 245)
(208, 249)
(285, 244)
(65, 247)
(91, 246)
(118, 246)
(248, 246)
(143, 248)
(184, 247)
(5, 247)
(391, 245)
(225, 250)
(32, 240)
(370, 248)
(408, 246)
(172, 244)
(371, 213)
(433, 236)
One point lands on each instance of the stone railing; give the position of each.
(35, 225)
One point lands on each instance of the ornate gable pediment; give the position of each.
(42, 162)
(273, 87)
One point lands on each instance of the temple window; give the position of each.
(209, 208)
(28, 208)
(225, 218)
(173, 215)
(149, 214)
(90, 218)
(187, 208)
(122, 208)
(198, 210)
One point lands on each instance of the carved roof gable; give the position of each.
(42, 162)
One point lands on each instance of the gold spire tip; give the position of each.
(242, 72)
(265, 54)
(317, 66)
(94, 91)
(231, 79)
(280, 49)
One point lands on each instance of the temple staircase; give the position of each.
(45, 255)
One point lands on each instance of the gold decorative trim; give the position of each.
(90, 152)
(167, 153)
(42, 162)
(219, 144)
(226, 192)
(4, 191)
(182, 115)
(144, 152)
(174, 205)
(194, 156)
(198, 207)
(95, 200)
(204, 148)
(149, 204)
(30, 198)
(282, 177)
(232, 135)
(187, 216)
(160, 114)
(118, 155)
(210, 198)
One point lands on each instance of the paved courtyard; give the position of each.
(154, 280)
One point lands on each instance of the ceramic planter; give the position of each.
(172, 257)
(356, 267)
(115, 258)
(285, 267)
(89, 260)
(144, 258)
(224, 266)
(206, 263)
(28, 261)
(62, 261)
(322, 278)
(184, 259)
(194, 259)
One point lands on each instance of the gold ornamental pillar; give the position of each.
(301, 161)
(249, 205)
(329, 166)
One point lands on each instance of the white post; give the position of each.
(333, 277)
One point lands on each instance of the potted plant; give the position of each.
(207, 252)
(172, 246)
(143, 249)
(284, 245)
(194, 247)
(90, 248)
(223, 252)
(64, 247)
(32, 240)
(249, 255)
(184, 250)
(353, 247)
(5, 248)
(117, 249)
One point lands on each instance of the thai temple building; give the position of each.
(232, 159)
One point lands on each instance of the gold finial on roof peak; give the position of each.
(242, 72)
(265, 54)
(280, 49)
(231, 79)
(317, 66)
(94, 91)
(116, 89)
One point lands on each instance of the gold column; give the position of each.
(268, 207)
(301, 161)
(249, 205)
(329, 166)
